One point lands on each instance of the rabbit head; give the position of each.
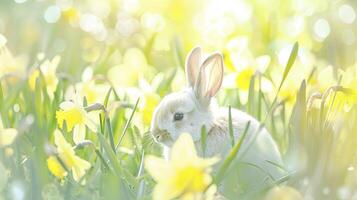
(190, 109)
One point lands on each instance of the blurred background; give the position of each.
(145, 38)
(138, 47)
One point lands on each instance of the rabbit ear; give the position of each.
(210, 78)
(193, 63)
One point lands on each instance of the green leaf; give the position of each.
(141, 188)
(288, 66)
(251, 96)
(178, 52)
(106, 100)
(298, 126)
(102, 159)
(149, 45)
(203, 140)
(1, 97)
(165, 85)
(292, 58)
(232, 154)
(298, 116)
(127, 124)
(111, 155)
(230, 126)
(260, 94)
(110, 132)
(118, 170)
(85, 102)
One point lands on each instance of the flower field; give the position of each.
(80, 81)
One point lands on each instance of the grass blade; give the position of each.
(287, 69)
(230, 126)
(110, 132)
(111, 155)
(232, 154)
(127, 124)
(102, 159)
(298, 124)
(1, 97)
(203, 140)
(178, 52)
(260, 94)
(292, 58)
(251, 96)
(106, 100)
(141, 188)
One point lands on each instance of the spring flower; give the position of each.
(11, 65)
(349, 80)
(185, 175)
(243, 65)
(151, 100)
(48, 69)
(56, 168)
(7, 135)
(133, 66)
(76, 119)
(65, 151)
(33, 78)
(71, 15)
(88, 88)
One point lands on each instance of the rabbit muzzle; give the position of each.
(162, 136)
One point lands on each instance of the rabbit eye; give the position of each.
(178, 116)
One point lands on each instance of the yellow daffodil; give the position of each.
(11, 65)
(33, 78)
(76, 119)
(48, 70)
(71, 15)
(128, 73)
(56, 168)
(349, 80)
(7, 135)
(88, 88)
(243, 65)
(185, 175)
(65, 151)
(151, 100)
(243, 78)
(325, 78)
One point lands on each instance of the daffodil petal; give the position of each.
(79, 168)
(79, 133)
(184, 148)
(164, 191)
(54, 62)
(157, 167)
(211, 192)
(89, 122)
(61, 143)
(7, 136)
(67, 105)
(55, 167)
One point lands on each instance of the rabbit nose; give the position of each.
(160, 134)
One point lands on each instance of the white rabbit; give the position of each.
(188, 110)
